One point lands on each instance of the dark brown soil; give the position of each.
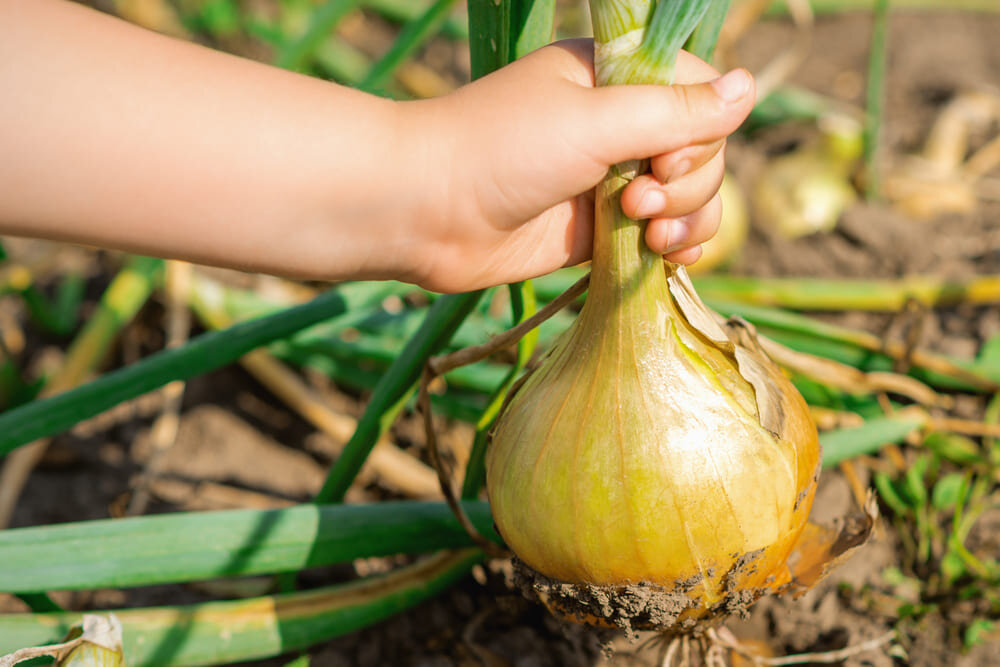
(240, 447)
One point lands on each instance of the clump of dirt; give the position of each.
(643, 605)
(631, 607)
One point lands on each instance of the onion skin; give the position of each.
(636, 454)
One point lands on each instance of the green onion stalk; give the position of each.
(635, 42)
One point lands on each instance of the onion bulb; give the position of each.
(657, 469)
(727, 243)
(808, 190)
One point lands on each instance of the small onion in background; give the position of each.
(806, 191)
(724, 248)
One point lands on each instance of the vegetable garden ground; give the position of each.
(239, 447)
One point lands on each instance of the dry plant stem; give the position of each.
(396, 469)
(784, 65)
(483, 654)
(849, 378)
(715, 656)
(936, 363)
(12, 343)
(726, 639)
(17, 466)
(442, 364)
(989, 189)
(670, 653)
(983, 160)
(14, 475)
(52, 650)
(470, 355)
(156, 15)
(912, 319)
(444, 476)
(80, 360)
(741, 17)
(965, 427)
(163, 434)
(828, 419)
(895, 455)
(968, 427)
(11, 337)
(203, 495)
(858, 490)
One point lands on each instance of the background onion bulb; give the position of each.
(720, 250)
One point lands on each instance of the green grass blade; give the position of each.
(412, 37)
(205, 353)
(489, 25)
(395, 388)
(217, 633)
(39, 602)
(489, 31)
(669, 28)
(846, 443)
(59, 315)
(482, 377)
(825, 294)
(342, 62)
(171, 548)
(127, 293)
(455, 403)
(875, 98)
(321, 26)
(704, 37)
(524, 306)
(786, 104)
(402, 11)
(532, 25)
(780, 7)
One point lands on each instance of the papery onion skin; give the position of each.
(635, 453)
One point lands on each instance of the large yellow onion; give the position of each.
(653, 446)
(657, 469)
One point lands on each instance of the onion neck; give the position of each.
(624, 270)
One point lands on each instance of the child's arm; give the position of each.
(114, 136)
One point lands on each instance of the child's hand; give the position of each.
(514, 151)
(197, 155)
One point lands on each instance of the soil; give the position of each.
(239, 447)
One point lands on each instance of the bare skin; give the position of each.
(114, 136)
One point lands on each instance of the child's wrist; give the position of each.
(425, 176)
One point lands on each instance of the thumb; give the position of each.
(638, 122)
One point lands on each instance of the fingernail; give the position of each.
(652, 202)
(677, 234)
(733, 86)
